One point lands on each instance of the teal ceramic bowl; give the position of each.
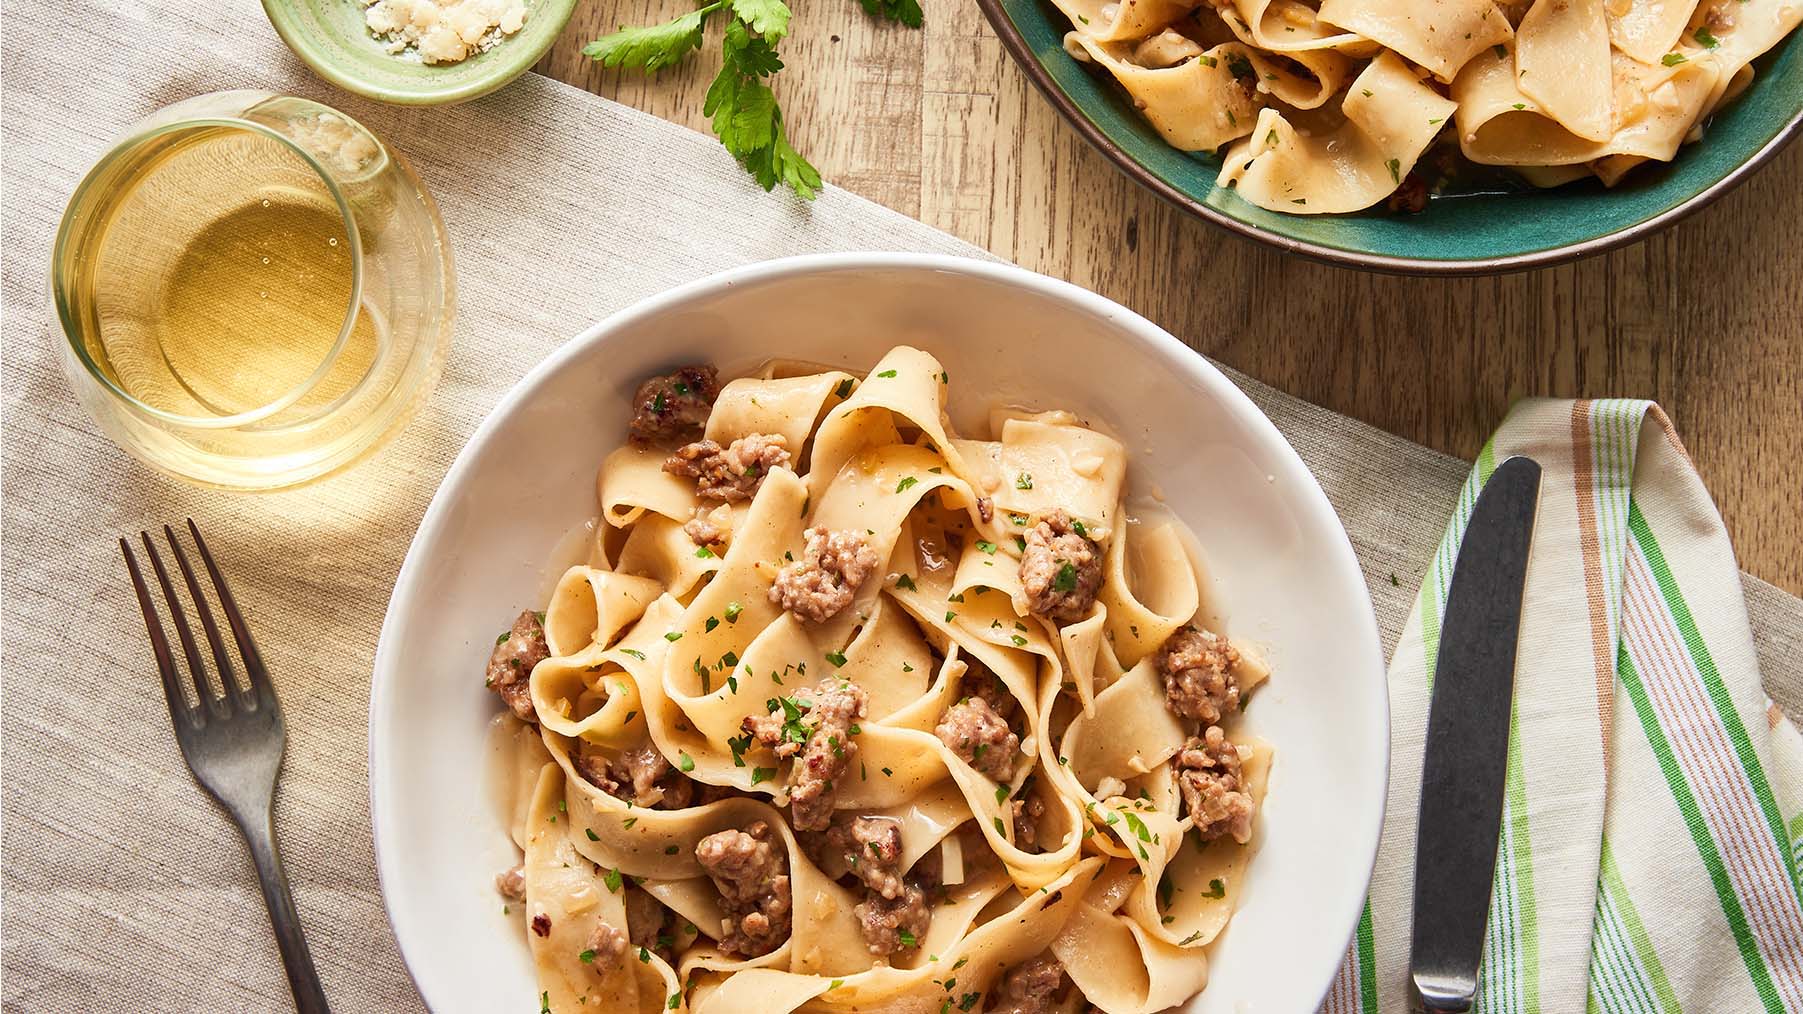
(1464, 235)
(330, 36)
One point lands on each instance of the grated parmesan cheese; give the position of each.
(443, 31)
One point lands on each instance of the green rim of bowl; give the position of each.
(1467, 235)
(330, 36)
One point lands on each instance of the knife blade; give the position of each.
(1467, 749)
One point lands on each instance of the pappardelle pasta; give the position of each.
(847, 711)
(1322, 106)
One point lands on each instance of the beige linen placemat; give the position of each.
(124, 888)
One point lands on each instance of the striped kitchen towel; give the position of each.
(1654, 796)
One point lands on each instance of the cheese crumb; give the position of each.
(443, 31)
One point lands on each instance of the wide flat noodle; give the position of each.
(1501, 125)
(1440, 35)
(1390, 118)
(1562, 61)
(664, 652)
(1318, 108)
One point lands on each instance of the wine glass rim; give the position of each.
(72, 330)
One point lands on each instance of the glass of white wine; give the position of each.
(256, 291)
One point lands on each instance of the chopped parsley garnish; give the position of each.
(844, 387)
(886, 374)
(1066, 578)
(902, 486)
(837, 658)
(1216, 889)
(1138, 827)
(704, 553)
(794, 730)
(634, 652)
(907, 938)
(1705, 37)
(1019, 641)
(762, 774)
(592, 836)
(712, 622)
(613, 880)
(1672, 59)
(733, 609)
(628, 822)
(1395, 167)
(905, 582)
(505, 634)
(950, 616)
(673, 636)
(685, 762)
(1023, 481)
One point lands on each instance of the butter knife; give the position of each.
(1467, 749)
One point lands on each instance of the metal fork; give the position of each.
(231, 740)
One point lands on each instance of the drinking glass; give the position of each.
(256, 291)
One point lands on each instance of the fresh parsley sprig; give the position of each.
(740, 104)
(905, 11)
(746, 116)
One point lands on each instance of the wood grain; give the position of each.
(1706, 318)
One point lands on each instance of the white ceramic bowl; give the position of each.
(500, 529)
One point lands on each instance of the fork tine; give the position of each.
(179, 712)
(253, 660)
(197, 666)
(225, 670)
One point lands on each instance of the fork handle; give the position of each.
(303, 980)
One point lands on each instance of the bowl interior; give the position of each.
(501, 529)
(1454, 231)
(331, 37)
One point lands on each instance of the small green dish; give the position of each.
(330, 36)
(1465, 235)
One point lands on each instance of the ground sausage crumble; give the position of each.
(869, 848)
(1060, 569)
(1214, 792)
(1029, 988)
(981, 738)
(1198, 675)
(813, 726)
(732, 473)
(510, 664)
(750, 869)
(826, 578)
(674, 408)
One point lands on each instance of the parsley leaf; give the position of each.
(653, 47)
(905, 11)
(769, 18)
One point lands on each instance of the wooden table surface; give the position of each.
(1706, 318)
